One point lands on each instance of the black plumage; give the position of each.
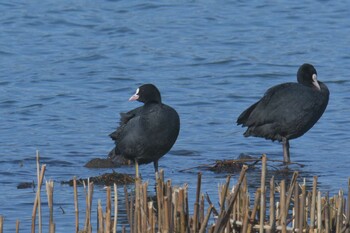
(288, 110)
(146, 133)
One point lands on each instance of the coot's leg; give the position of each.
(286, 156)
(155, 163)
(137, 168)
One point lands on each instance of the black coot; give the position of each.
(148, 132)
(288, 110)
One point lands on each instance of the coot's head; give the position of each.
(147, 93)
(307, 75)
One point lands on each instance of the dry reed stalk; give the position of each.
(17, 226)
(144, 211)
(283, 212)
(86, 205)
(151, 228)
(145, 197)
(272, 204)
(196, 204)
(161, 175)
(339, 221)
(100, 217)
(245, 211)
(215, 212)
(224, 193)
(263, 194)
(206, 219)
(90, 194)
(176, 220)
(302, 208)
(52, 228)
(115, 209)
(201, 210)
(49, 191)
(137, 212)
(234, 213)
(225, 215)
(319, 212)
(160, 196)
(187, 222)
(296, 205)
(142, 215)
(334, 211)
(166, 214)
(1, 224)
(330, 212)
(37, 199)
(278, 220)
(132, 223)
(293, 218)
(88, 198)
(170, 212)
(108, 210)
(39, 191)
(255, 207)
(313, 204)
(245, 199)
(290, 191)
(76, 209)
(326, 214)
(143, 221)
(239, 204)
(307, 210)
(182, 210)
(126, 196)
(154, 216)
(212, 229)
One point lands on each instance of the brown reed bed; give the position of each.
(274, 208)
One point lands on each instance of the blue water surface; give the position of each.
(68, 68)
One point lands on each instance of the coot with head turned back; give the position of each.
(288, 110)
(146, 133)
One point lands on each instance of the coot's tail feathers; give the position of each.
(124, 118)
(114, 135)
(114, 155)
(243, 118)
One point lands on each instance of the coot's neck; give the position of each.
(152, 102)
(156, 99)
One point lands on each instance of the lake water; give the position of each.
(68, 68)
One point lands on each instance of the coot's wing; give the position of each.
(242, 119)
(160, 128)
(124, 119)
(127, 135)
(248, 118)
(286, 110)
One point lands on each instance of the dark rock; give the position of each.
(102, 163)
(105, 179)
(26, 185)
